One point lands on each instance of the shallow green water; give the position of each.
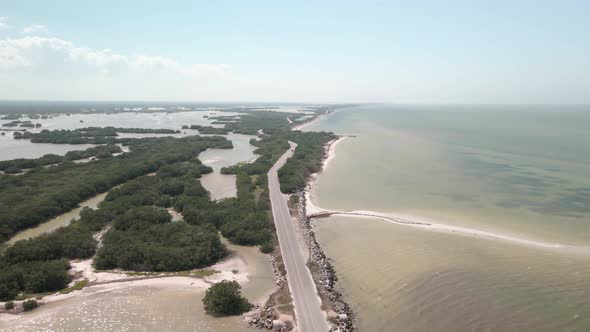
(516, 171)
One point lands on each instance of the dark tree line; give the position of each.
(89, 135)
(207, 130)
(145, 239)
(142, 236)
(38, 195)
(32, 277)
(306, 160)
(17, 165)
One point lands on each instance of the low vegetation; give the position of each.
(145, 239)
(77, 286)
(32, 277)
(29, 305)
(18, 165)
(207, 130)
(225, 298)
(89, 135)
(43, 193)
(9, 305)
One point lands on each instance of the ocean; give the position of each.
(518, 172)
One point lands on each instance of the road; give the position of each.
(308, 311)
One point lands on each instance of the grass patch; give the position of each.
(257, 193)
(293, 201)
(21, 297)
(203, 273)
(77, 286)
(189, 273)
(142, 273)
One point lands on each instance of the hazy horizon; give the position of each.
(278, 102)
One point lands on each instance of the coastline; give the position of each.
(413, 221)
(327, 278)
(234, 267)
(324, 275)
(313, 120)
(313, 211)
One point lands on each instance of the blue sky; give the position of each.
(311, 51)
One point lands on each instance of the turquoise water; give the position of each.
(520, 171)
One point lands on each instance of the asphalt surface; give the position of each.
(308, 311)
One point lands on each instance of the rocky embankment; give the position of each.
(326, 277)
(340, 313)
(267, 315)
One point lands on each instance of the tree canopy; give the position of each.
(225, 298)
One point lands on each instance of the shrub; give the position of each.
(9, 305)
(225, 298)
(267, 247)
(29, 305)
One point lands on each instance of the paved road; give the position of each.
(308, 312)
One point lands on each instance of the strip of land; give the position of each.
(308, 311)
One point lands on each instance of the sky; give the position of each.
(532, 52)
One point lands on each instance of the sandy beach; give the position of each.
(307, 123)
(311, 208)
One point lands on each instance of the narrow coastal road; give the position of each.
(308, 311)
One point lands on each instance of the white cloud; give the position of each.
(35, 51)
(3, 22)
(54, 68)
(36, 28)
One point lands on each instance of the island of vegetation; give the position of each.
(22, 124)
(207, 130)
(15, 166)
(89, 135)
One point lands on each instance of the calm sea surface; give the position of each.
(520, 171)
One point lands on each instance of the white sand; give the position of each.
(310, 207)
(176, 216)
(420, 223)
(307, 123)
(332, 151)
